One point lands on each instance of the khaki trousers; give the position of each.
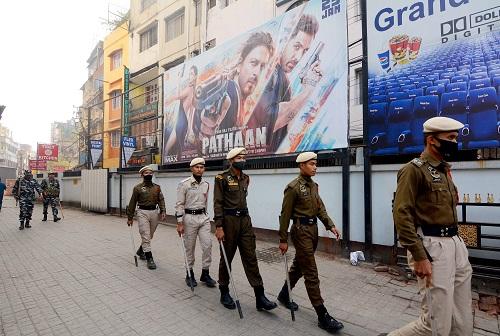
(451, 290)
(198, 226)
(148, 221)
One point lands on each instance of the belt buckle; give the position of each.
(311, 220)
(238, 212)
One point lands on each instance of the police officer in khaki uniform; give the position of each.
(148, 196)
(193, 221)
(234, 227)
(303, 206)
(426, 220)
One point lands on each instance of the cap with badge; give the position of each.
(306, 156)
(143, 169)
(442, 124)
(197, 161)
(235, 152)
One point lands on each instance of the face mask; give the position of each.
(239, 165)
(148, 178)
(448, 149)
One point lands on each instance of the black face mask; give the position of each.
(148, 178)
(197, 178)
(239, 165)
(448, 149)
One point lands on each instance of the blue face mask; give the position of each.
(239, 165)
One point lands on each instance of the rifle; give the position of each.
(18, 182)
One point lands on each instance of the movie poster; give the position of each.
(279, 88)
(427, 59)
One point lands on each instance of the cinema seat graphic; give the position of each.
(483, 118)
(482, 68)
(479, 83)
(416, 93)
(393, 96)
(377, 118)
(378, 99)
(462, 78)
(424, 107)
(454, 105)
(452, 87)
(479, 75)
(398, 125)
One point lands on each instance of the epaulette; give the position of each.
(417, 162)
(293, 183)
(186, 179)
(219, 177)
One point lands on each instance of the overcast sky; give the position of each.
(44, 47)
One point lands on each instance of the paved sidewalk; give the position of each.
(77, 277)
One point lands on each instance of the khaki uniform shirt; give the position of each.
(302, 199)
(145, 194)
(191, 195)
(425, 195)
(230, 192)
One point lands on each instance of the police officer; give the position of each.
(148, 196)
(51, 191)
(24, 192)
(193, 221)
(234, 227)
(303, 205)
(426, 220)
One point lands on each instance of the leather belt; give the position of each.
(307, 220)
(236, 212)
(439, 230)
(147, 207)
(195, 211)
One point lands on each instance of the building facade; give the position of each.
(116, 59)
(8, 148)
(65, 136)
(91, 112)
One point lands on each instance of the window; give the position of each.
(151, 93)
(211, 3)
(115, 139)
(116, 99)
(197, 12)
(116, 60)
(146, 3)
(98, 83)
(149, 38)
(358, 86)
(174, 25)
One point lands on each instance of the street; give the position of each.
(77, 277)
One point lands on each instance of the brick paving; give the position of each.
(77, 277)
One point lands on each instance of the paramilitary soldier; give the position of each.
(234, 228)
(426, 220)
(303, 205)
(193, 221)
(51, 191)
(24, 191)
(148, 196)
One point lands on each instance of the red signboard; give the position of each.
(38, 165)
(47, 152)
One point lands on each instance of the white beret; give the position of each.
(306, 156)
(235, 152)
(442, 124)
(196, 161)
(143, 169)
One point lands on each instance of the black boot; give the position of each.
(261, 302)
(190, 279)
(206, 278)
(326, 322)
(225, 298)
(44, 217)
(151, 262)
(27, 224)
(21, 227)
(284, 299)
(56, 218)
(140, 253)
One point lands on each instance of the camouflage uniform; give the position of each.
(51, 191)
(24, 191)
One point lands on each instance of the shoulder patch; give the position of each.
(417, 162)
(294, 183)
(219, 177)
(186, 179)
